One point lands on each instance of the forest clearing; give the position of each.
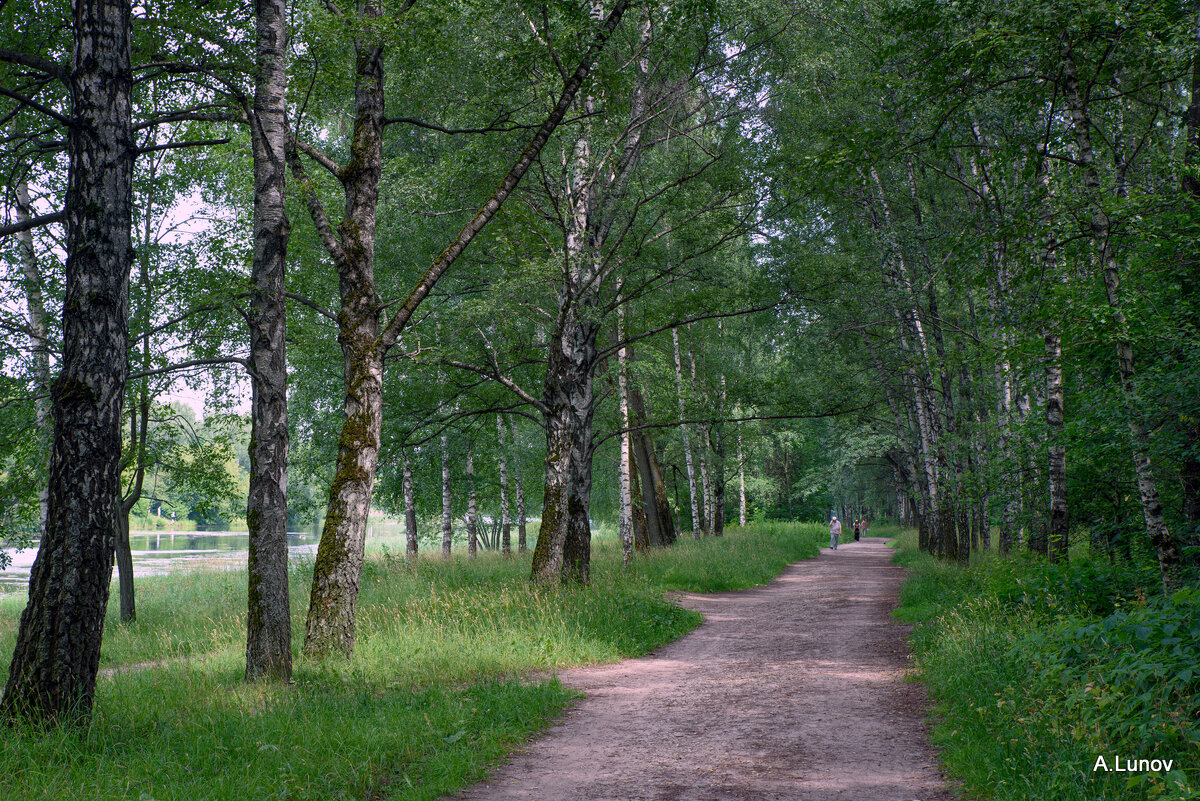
(563, 293)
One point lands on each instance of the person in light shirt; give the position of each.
(835, 531)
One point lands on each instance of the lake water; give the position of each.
(158, 552)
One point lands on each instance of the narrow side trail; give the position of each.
(794, 690)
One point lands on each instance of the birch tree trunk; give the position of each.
(1057, 450)
(447, 516)
(717, 441)
(1169, 556)
(269, 620)
(410, 510)
(334, 598)
(505, 518)
(563, 551)
(52, 675)
(741, 457)
(333, 601)
(625, 495)
(697, 526)
(660, 526)
(706, 513)
(522, 544)
(472, 516)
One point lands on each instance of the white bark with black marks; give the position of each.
(52, 675)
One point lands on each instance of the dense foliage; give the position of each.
(1038, 669)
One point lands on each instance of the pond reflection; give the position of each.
(157, 552)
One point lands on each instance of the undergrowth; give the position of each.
(452, 669)
(1036, 670)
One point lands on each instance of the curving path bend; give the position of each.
(795, 691)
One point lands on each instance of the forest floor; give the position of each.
(795, 690)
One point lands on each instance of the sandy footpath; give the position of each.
(791, 691)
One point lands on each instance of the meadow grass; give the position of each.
(1036, 670)
(453, 668)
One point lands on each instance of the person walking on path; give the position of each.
(835, 531)
(857, 529)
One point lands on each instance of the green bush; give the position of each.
(1038, 669)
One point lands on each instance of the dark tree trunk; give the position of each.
(563, 551)
(660, 526)
(138, 432)
(687, 445)
(124, 560)
(717, 439)
(52, 676)
(269, 616)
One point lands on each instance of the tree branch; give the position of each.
(174, 368)
(489, 209)
(335, 169)
(32, 222)
(36, 106)
(312, 304)
(507, 383)
(315, 209)
(51, 68)
(178, 145)
(611, 349)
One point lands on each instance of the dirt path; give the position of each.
(791, 691)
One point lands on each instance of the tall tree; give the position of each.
(364, 337)
(52, 676)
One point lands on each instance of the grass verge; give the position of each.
(1036, 670)
(446, 678)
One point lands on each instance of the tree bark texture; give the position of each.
(505, 517)
(683, 433)
(334, 598)
(1057, 450)
(563, 550)
(52, 676)
(447, 500)
(741, 457)
(269, 618)
(660, 525)
(472, 515)
(717, 441)
(519, 487)
(410, 510)
(706, 511)
(624, 491)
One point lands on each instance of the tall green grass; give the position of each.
(1037, 669)
(452, 669)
